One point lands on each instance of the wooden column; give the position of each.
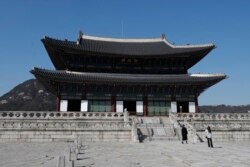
(196, 104)
(113, 103)
(145, 106)
(58, 100)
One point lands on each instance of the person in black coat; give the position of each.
(140, 135)
(184, 134)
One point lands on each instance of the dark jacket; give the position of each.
(184, 133)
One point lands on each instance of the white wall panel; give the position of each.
(191, 107)
(173, 106)
(119, 106)
(64, 105)
(139, 107)
(84, 105)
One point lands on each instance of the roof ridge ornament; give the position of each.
(163, 36)
(79, 39)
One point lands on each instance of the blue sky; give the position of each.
(224, 23)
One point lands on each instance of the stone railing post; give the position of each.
(175, 125)
(126, 116)
(134, 135)
(126, 119)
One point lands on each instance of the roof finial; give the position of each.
(80, 33)
(162, 36)
(79, 40)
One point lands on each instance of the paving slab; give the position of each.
(170, 153)
(31, 154)
(129, 154)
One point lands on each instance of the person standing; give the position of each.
(140, 135)
(184, 134)
(209, 137)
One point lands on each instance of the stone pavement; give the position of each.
(170, 153)
(122, 154)
(30, 154)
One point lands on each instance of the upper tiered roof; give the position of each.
(121, 47)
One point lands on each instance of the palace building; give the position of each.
(146, 77)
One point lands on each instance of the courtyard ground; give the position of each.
(112, 154)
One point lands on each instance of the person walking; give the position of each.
(184, 134)
(209, 137)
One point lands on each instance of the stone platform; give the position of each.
(45, 126)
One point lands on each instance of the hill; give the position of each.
(28, 96)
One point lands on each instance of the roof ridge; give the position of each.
(162, 38)
(111, 39)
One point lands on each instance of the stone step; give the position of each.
(145, 131)
(164, 138)
(151, 120)
(148, 125)
(165, 120)
(156, 128)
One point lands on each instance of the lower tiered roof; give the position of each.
(203, 81)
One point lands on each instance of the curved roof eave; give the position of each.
(128, 78)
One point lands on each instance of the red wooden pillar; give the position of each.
(196, 105)
(145, 106)
(58, 100)
(113, 104)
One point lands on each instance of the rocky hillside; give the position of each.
(31, 96)
(28, 96)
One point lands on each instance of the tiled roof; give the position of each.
(134, 47)
(111, 78)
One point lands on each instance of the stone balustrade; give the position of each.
(213, 116)
(225, 126)
(64, 126)
(59, 115)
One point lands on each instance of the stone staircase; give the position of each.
(156, 128)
